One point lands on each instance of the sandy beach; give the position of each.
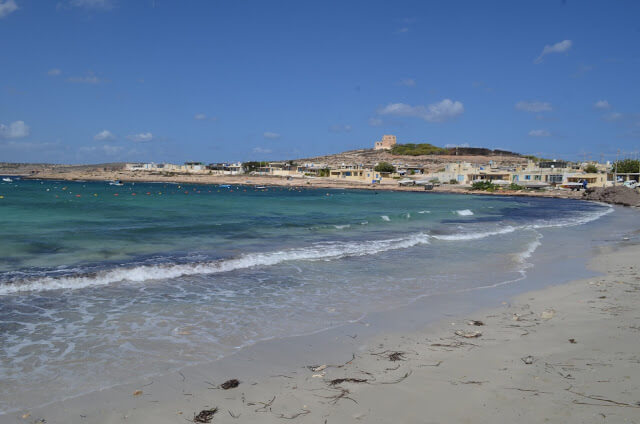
(319, 212)
(567, 353)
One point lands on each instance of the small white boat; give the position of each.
(7, 180)
(116, 183)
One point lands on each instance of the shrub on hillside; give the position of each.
(412, 149)
(484, 186)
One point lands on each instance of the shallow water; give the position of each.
(101, 284)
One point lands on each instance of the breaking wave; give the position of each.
(474, 236)
(318, 251)
(464, 212)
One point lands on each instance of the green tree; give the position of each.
(484, 186)
(627, 166)
(252, 165)
(324, 172)
(591, 169)
(385, 167)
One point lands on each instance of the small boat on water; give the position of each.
(224, 186)
(7, 180)
(260, 187)
(116, 183)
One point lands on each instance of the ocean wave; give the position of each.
(579, 219)
(464, 212)
(78, 278)
(474, 236)
(319, 251)
(385, 218)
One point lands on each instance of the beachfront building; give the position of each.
(194, 167)
(558, 173)
(592, 179)
(311, 169)
(225, 168)
(387, 143)
(139, 166)
(532, 175)
(463, 173)
(283, 169)
(355, 173)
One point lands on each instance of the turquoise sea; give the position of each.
(100, 283)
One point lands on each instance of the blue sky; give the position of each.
(89, 81)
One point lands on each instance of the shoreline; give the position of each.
(455, 379)
(277, 181)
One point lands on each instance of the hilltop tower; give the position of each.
(387, 143)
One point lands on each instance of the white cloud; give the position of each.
(17, 129)
(613, 116)
(261, 150)
(534, 106)
(436, 112)
(560, 47)
(54, 72)
(7, 7)
(104, 135)
(408, 82)
(539, 133)
(271, 135)
(375, 122)
(88, 4)
(203, 117)
(340, 128)
(89, 78)
(403, 30)
(107, 149)
(141, 137)
(602, 104)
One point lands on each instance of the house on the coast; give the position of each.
(225, 168)
(356, 173)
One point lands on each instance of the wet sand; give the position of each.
(567, 353)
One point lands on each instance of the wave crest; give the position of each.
(140, 273)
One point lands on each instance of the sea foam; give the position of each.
(318, 251)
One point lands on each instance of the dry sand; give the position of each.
(564, 354)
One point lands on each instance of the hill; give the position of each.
(413, 155)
